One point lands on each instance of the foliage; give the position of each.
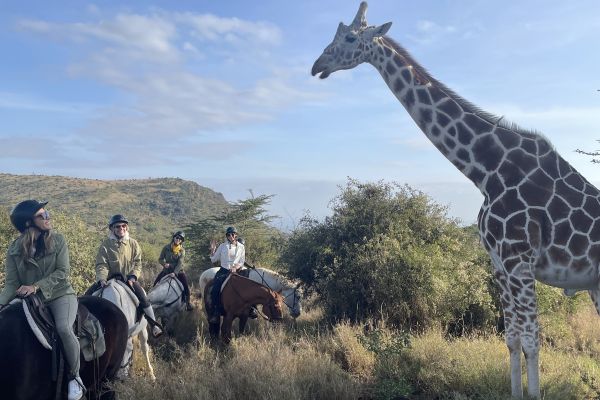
(389, 251)
(250, 218)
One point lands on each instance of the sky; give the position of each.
(220, 92)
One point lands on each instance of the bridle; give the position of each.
(294, 291)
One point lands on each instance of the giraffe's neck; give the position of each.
(460, 131)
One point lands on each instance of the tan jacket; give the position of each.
(167, 257)
(118, 257)
(49, 273)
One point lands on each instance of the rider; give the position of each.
(120, 255)
(231, 254)
(171, 258)
(38, 262)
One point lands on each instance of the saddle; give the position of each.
(87, 328)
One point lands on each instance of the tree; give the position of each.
(251, 219)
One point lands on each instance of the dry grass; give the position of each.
(311, 360)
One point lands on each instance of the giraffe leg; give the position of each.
(512, 335)
(519, 305)
(521, 288)
(527, 318)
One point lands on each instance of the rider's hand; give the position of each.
(26, 290)
(102, 282)
(130, 282)
(172, 275)
(213, 247)
(167, 265)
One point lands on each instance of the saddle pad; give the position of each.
(37, 332)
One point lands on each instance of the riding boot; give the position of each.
(76, 389)
(156, 331)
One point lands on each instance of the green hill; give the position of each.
(155, 207)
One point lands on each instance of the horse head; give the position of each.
(274, 309)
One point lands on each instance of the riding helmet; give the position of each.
(231, 229)
(117, 218)
(24, 212)
(181, 234)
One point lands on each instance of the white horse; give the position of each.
(165, 298)
(271, 279)
(118, 293)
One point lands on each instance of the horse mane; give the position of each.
(465, 104)
(282, 279)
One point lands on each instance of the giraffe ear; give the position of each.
(377, 31)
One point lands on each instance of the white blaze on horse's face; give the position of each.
(351, 45)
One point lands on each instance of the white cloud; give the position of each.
(152, 62)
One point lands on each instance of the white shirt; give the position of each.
(230, 255)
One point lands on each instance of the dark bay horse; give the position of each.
(26, 366)
(237, 296)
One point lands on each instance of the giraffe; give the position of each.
(540, 218)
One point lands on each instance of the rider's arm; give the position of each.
(11, 283)
(217, 256)
(136, 259)
(61, 269)
(102, 263)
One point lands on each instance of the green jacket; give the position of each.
(167, 257)
(118, 257)
(50, 273)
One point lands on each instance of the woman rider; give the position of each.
(37, 262)
(171, 258)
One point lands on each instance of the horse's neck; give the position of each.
(269, 279)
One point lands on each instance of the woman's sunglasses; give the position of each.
(45, 215)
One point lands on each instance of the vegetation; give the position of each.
(399, 304)
(155, 207)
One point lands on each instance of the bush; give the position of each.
(389, 251)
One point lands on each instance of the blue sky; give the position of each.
(220, 92)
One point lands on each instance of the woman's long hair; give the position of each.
(29, 243)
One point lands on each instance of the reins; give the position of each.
(265, 283)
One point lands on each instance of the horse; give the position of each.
(117, 293)
(237, 296)
(165, 298)
(26, 366)
(291, 292)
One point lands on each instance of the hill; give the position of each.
(155, 207)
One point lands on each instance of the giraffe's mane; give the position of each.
(465, 104)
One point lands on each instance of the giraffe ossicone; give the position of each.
(540, 218)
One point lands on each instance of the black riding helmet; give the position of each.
(181, 234)
(22, 215)
(230, 229)
(117, 218)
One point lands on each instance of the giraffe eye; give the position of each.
(350, 39)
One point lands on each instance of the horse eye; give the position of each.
(350, 39)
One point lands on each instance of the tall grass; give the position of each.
(313, 360)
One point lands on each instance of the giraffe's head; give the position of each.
(350, 45)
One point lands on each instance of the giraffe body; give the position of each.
(540, 218)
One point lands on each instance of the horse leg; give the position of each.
(242, 324)
(143, 337)
(226, 328)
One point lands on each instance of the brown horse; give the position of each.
(237, 296)
(26, 366)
